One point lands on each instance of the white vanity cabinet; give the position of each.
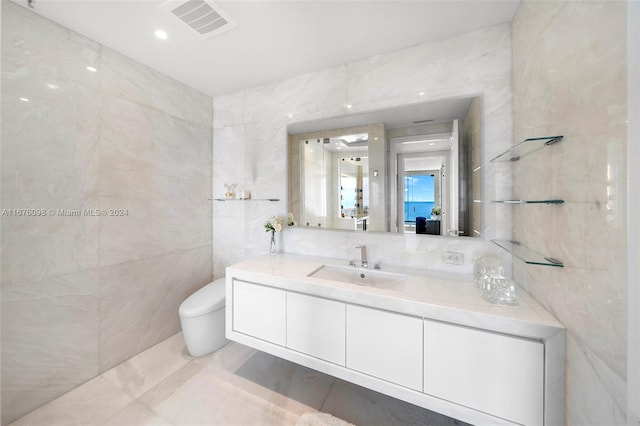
(493, 373)
(385, 345)
(316, 327)
(434, 343)
(260, 311)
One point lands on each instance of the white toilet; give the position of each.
(202, 319)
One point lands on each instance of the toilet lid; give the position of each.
(209, 298)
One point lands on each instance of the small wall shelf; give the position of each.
(247, 199)
(528, 201)
(526, 147)
(526, 254)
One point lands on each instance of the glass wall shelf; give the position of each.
(247, 199)
(528, 201)
(527, 255)
(526, 147)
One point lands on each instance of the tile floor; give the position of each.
(236, 385)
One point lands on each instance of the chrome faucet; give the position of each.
(363, 256)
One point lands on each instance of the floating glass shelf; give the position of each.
(247, 199)
(526, 254)
(526, 147)
(528, 201)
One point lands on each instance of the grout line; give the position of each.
(324, 401)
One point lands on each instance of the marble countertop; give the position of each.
(439, 296)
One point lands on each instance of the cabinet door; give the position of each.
(385, 345)
(493, 373)
(260, 311)
(316, 327)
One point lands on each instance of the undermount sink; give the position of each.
(361, 276)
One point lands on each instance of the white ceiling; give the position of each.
(273, 39)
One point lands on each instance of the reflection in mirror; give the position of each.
(354, 189)
(408, 169)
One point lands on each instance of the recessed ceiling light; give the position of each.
(52, 86)
(421, 94)
(161, 35)
(92, 69)
(349, 105)
(24, 99)
(428, 141)
(432, 143)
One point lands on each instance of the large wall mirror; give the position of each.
(408, 169)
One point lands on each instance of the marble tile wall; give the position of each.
(633, 206)
(81, 294)
(569, 78)
(250, 141)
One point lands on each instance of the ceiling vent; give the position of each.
(206, 18)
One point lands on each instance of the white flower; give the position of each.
(291, 221)
(274, 224)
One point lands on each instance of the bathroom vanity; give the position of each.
(423, 337)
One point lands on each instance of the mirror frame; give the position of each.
(471, 128)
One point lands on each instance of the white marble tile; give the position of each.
(477, 57)
(137, 138)
(33, 42)
(362, 406)
(314, 95)
(137, 375)
(294, 385)
(50, 342)
(531, 18)
(203, 397)
(228, 159)
(590, 168)
(587, 79)
(582, 230)
(158, 168)
(238, 385)
(127, 79)
(265, 161)
(83, 283)
(229, 110)
(229, 236)
(89, 404)
(139, 300)
(595, 394)
(50, 166)
(135, 414)
(578, 296)
(150, 229)
(229, 358)
(569, 76)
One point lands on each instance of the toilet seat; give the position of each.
(209, 298)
